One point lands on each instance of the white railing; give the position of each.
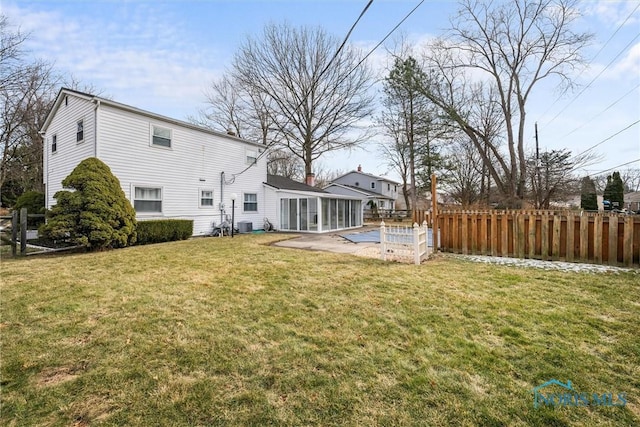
(404, 243)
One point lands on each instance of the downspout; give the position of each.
(95, 127)
(221, 197)
(45, 171)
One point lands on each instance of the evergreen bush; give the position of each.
(164, 230)
(95, 213)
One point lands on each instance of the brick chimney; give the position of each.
(311, 179)
(359, 168)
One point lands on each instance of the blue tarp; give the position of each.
(373, 236)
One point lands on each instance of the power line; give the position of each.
(616, 167)
(594, 79)
(608, 138)
(614, 33)
(385, 37)
(597, 53)
(607, 108)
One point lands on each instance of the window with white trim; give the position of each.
(160, 136)
(147, 199)
(80, 131)
(54, 143)
(373, 185)
(252, 156)
(206, 198)
(250, 202)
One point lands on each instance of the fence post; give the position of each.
(416, 243)
(23, 231)
(14, 232)
(383, 249)
(425, 232)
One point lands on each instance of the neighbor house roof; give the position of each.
(376, 177)
(282, 183)
(98, 100)
(360, 190)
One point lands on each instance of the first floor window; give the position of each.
(161, 136)
(206, 198)
(148, 199)
(54, 143)
(80, 131)
(250, 202)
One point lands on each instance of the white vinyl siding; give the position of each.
(68, 152)
(206, 198)
(147, 199)
(160, 136)
(250, 202)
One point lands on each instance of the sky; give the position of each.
(162, 55)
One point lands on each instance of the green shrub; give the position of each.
(32, 200)
(96, 214)
(164, 230)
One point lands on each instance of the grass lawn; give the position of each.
(234, 332)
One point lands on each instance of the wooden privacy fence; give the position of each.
(601, 238)
(404, 243)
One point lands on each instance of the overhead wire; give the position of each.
(616, 167)
(594, 79)
(591, 60)
(606, 108)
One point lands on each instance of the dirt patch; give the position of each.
(54, 376)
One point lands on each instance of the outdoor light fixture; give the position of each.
(233, 211)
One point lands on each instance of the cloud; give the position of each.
(132, 51)
(613, 13)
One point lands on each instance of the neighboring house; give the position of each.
(371, 189)
(301, 207)
(173, 169)
(632, 201)
(167, 168)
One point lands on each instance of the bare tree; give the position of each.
(464, 179)
(312, 94)
(495, 54)
(552, 177)
(283, 162)
(26, 93)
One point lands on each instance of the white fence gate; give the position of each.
(404, 243)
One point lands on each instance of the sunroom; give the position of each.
(294, 206)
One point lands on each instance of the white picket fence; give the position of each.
(404, 243)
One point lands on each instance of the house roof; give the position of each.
(360, 190)
(376, 177)
(100, 100)
(282, 183)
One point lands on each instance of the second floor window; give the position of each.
(54, 143)
(161, 136)
(373, 185)
(80, 131)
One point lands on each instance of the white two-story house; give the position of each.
(376, 192)
(169, 168)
